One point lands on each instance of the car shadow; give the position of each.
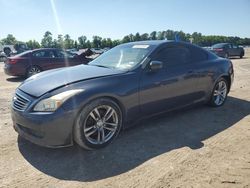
(137, 145)
(239, 57)
(15, 79)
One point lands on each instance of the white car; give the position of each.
(2, 57)
(97, 50)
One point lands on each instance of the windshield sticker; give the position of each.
(141, 46)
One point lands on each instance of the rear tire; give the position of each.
(98, 124)
(219, 94)
(33, 70)
(241, 55)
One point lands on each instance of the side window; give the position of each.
(44, 54)
(173, 56)
(63, 54)
(50, 54)
(235, 46)
(60, 54)
(198, 55)
(39, 54)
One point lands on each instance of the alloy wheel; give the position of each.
(220, 93)
(101, 124)
(33, 71)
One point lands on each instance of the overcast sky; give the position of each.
(29, 19)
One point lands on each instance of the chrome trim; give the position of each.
(19, 102)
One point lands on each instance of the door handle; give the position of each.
(190, 72)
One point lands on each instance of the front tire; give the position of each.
(219, 94)
(98, 124)
(226, 56)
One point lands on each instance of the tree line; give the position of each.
(65, 41)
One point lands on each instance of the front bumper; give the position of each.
(45, 129)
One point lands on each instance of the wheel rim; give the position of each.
(101, 124)
(34, 70)
(220, 93)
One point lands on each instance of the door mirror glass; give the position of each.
(154, 66)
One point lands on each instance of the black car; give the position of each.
(227, 50)
(90, 104)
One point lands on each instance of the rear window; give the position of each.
(23, 54)
(218, 45)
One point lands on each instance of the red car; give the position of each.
(32, 62)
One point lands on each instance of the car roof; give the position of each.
(223, 43)
(150, 42)
(45, 49)
(158, 42)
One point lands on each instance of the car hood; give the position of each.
(47, 81)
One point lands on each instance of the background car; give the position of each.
(11, 50)
(227, 50)
(127, 83)
(32, 62)
(3, 56)
(97, 50)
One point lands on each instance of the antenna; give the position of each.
(177, 37)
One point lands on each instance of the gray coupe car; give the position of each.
(227, 50)
(90, 104)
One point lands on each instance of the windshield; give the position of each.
(122, 57)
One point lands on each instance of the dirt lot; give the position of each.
(199, 147)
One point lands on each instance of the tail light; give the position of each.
(218, 49)
(13, 61)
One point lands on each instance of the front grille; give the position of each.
(20, 103)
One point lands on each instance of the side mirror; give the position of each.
(154, 66)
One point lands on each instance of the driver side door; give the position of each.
(172, 86)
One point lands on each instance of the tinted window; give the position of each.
(173, 55)
(235, 46)
(221, 45)
(64, 54)
(197, 54)
(44, 54)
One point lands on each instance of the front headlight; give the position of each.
(54, 102)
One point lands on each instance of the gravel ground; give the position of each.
(198, 147)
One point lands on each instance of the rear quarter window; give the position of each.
(198, 55)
